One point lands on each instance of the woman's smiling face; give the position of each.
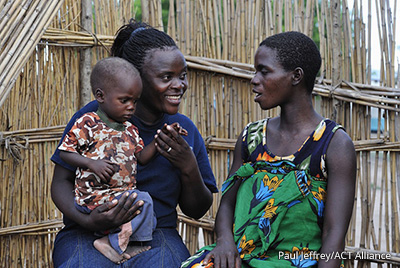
(164, 76)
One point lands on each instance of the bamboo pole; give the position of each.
(8, 78)
(85, 66)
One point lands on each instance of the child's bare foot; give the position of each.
(104, 246)
(126, 257)
(134, 250)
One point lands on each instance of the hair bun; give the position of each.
(134, 32)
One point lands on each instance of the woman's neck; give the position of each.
(307, 118)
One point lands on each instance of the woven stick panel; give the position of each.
(218, 39)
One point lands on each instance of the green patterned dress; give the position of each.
(280, 203)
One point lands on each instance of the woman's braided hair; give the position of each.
(135, 39)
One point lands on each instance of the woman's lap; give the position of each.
(74, 248)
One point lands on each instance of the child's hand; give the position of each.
(103, 168)
(177, 128)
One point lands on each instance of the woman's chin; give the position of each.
(172, 111)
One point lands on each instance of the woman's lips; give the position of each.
(174, 99)
(257, 95)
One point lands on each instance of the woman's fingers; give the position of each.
(161, 141)
(107, 206)
(165, 144)
(233, 261)
(173, 132)
(168, 137)
(238, 263)
(223, 260)
(207, 259)
(117, 212)
(128, 209)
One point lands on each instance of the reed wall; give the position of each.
(218, 39)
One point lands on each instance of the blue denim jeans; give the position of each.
(73, 248)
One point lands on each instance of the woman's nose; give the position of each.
(254, 80)
(178, 83)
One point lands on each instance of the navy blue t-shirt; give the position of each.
(159, 178)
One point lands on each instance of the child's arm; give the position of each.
(102, 168)
(144, 156)
(225, 253)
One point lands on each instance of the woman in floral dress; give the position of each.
(290, 193)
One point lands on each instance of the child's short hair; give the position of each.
(295, 49)
(104, 73)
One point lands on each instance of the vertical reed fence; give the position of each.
(218, 39)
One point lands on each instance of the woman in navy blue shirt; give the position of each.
(180, 173)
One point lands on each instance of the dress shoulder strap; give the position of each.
(252, 136)
(313, 154)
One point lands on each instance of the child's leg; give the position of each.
(141, 227)
(103, 245)
(125, 236)
(139, 230)
(144, 224)
(120, 240)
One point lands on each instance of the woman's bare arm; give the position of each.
(341, 165)
(195, 198)
(226, 254)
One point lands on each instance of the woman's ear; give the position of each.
(99, 95)
(297, 76)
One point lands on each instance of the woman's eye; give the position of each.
(167, 77)
(183, 76)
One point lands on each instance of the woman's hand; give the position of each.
(225, 255)
(171, 145)
(195, 198)
(106, 216)
(116, 212)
